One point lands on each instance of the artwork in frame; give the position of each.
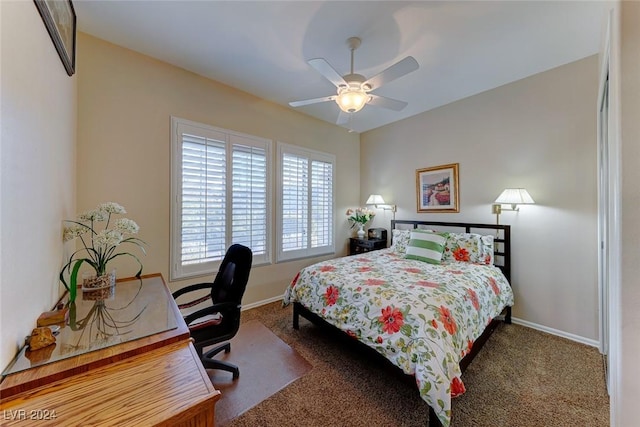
(437, 189)
(59, 18)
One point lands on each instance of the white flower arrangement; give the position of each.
(99, 246)
(359, 216)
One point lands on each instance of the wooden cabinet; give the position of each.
(164, 387)
(358, 246)
(155, 380)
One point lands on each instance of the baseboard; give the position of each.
(261, 303)
(559, 333)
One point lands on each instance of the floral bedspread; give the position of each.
(422, 317)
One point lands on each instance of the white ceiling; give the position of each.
(261, 47)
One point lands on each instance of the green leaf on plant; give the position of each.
(74, 280)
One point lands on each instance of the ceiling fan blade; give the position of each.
(343, 118)
(395, 71)
(312, 101)
(381, 101)
(324, 68)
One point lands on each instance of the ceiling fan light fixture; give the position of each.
(351, 100)
(353, 88)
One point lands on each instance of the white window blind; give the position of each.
(295, 205)
(203, 215)
(221, 193)
(249, 196)
(321, 204)
(305, 214)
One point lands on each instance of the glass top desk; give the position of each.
(137, 316)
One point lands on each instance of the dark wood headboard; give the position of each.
(501, 233)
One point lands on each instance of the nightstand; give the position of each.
(358, 246)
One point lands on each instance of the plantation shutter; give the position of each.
(307, 203)
(321, 204)
(249, 196)
(221, 191)
(295, 205)
(203, 215)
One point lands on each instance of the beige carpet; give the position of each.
(266, 365)
(521, 378)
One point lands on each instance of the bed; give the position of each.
(427, 314)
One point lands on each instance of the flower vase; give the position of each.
(95, 288)
(360, 232)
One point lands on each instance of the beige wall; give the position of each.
(542, 128)
(37, 176)
(125, 103)
(630, 291)
(538, 133)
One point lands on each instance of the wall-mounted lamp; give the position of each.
(513, 197)
(378, 202)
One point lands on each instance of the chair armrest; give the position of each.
(191, 288)
(197, 301)
(215, 308)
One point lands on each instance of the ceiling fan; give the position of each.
(354, 89)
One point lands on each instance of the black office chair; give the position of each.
(219, 320)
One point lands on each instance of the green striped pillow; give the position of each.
(426, 246)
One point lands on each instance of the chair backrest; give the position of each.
(233, 275)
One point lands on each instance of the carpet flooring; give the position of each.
(266, 365)
(521, 378)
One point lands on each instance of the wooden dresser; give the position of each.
(146, 374)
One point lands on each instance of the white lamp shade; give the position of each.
(515, 196)
(375, 199)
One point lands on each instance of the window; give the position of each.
(305, 203)
(221, 195)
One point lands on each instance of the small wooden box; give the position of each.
(56, 317)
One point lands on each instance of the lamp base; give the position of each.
(497, 210)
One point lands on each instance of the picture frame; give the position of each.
(437, 189)
(59, 18)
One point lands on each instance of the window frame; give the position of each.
(177, 270)
(311, 155)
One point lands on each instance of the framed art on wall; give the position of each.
(59, 18)
(437, 189)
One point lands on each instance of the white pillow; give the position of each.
(399, 240)
(426, 246)
(469, 247)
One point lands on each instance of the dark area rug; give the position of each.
(266, 364)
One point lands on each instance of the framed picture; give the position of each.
(437, 189)
(60, 20)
